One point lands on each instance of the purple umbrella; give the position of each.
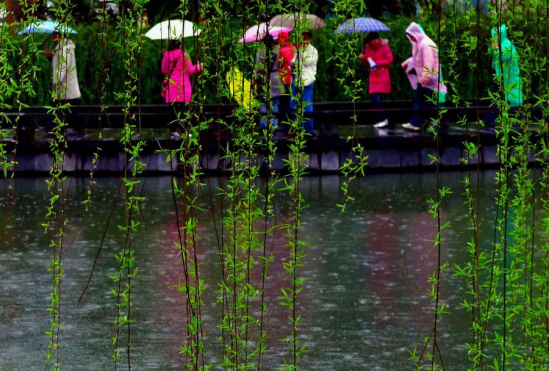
(362, 25)
(256, 33)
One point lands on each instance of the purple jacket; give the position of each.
(177, 64)
(424, 61)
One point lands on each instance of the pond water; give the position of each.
(364, 305)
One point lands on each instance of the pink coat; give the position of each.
(179, 87)
(380, 80)
(424, 61)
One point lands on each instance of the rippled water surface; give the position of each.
(364, 305)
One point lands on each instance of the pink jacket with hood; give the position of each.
(424, 60)
(179, 86)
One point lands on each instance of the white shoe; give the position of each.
(409, 126)
(382, 124)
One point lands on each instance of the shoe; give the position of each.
(411, 127)
(382, 124)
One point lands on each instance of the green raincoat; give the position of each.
(510, 75)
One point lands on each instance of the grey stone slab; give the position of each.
(390, 158)
(374, 158)
(314, 161)
(410, 158)
(330, 161)
(70, 163)
(278, 161)
(490, 155)
(43, 162)
(210, 161)
(110, 162)
(451, 156)
(25, 162)
(426, 154)
(474, 160)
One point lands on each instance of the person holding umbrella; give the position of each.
(266, 78)
(66, 89)
(305, 72)
(379, 57)
(286, 61)
(65, 78)
(178, 68)
(422, 69)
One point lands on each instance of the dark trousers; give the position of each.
(423, 99)
(376, 99)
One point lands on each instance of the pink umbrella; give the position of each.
(258, 32)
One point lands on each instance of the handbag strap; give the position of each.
(173, 67)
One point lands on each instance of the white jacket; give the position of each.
(307, 59)
(65, 79)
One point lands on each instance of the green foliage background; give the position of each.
(95, 57)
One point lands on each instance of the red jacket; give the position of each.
(380, 80)
(287, 54)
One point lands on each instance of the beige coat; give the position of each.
(65, 79)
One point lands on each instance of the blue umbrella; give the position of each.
(47, 27)
(362, 25)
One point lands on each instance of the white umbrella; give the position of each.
(173, 29)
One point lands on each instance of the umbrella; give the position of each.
(258, 32)
(47, 27)
(309, 21)
(362, 25)
(173, 29)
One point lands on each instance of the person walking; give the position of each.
(178, 67)
(422, 69)
(65, 78)
(508, 57)
(266, 79)
(378, 56)
(65, 87)
(285, 67)
(305, 76)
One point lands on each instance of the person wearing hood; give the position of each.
(379, 57)
(65, 78)
(422, 70)
(286, 61)
(505, 54)
(178, 67)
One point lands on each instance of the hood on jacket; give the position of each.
(175, 53)
(502, 31)
(415, 33)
